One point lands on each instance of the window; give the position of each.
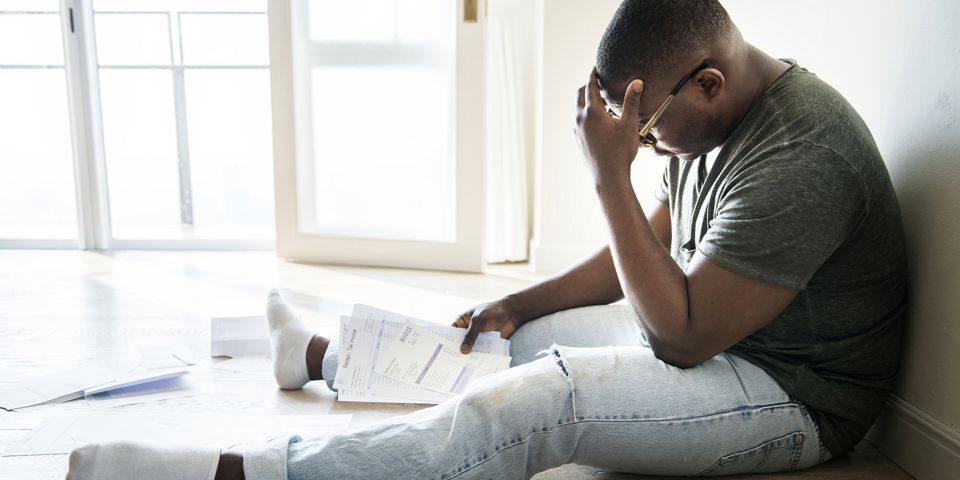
(380, 76)
(180, 117)
(379, 132)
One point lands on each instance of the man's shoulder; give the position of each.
(802, 118)
(799, 83)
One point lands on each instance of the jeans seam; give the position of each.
(736, 372)
(821, 448)
(721, 413)
(797, 452)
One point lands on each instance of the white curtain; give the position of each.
(513, 36)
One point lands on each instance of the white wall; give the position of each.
(898, 63)
(568, 224)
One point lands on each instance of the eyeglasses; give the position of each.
(646, 138)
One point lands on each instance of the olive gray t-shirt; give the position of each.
(799, 197)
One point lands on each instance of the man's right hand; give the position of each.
(488, 317)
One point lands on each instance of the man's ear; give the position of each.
(710, 82)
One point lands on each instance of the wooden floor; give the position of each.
(59, 309)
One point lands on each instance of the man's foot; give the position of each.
(315, 352)
(289, 342)
(230, 467)
(124, 460)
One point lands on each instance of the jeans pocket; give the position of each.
(777, 455)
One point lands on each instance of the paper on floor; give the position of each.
(232, 336)
(170, 356)
(246, 364)
(154, 391)
(62, 434)
(21, 420)
(130, 379)
(55, 388)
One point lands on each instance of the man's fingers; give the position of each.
(507, 329)
(463, 321)
(581, 98)
(476, 326)
(594, 99)
(631, 102)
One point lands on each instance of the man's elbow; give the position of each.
(677, 357)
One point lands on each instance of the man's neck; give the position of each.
(768, 68)
(757, 72)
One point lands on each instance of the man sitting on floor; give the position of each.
(766, 293)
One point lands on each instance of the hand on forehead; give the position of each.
(591, 98)
(613, 94)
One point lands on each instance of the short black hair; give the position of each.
(649, 39)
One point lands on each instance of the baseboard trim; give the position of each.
(925, 447)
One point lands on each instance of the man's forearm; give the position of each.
(591, 282)
(652, 282)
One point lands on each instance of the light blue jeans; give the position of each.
(586, 389)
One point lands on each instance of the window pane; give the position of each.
(354, 21)
(380, 21)
(231, 156)
(181, 5)
(210, 39)
(36, 158)
(141, 152)
(134, 39)
(421, 21)
(381, 168)
(30, 5)
(36, 186)
(30, 39)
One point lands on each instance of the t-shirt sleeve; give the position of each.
(781, 217)
(663, 190)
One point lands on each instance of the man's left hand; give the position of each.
(609, 145)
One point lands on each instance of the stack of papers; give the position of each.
(388, 357)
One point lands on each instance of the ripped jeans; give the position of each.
(597, 397)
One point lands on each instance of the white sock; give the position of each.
(126, 460)
(289, 339)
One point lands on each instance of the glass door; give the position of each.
(378, 131)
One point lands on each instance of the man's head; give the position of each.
(659, 42)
